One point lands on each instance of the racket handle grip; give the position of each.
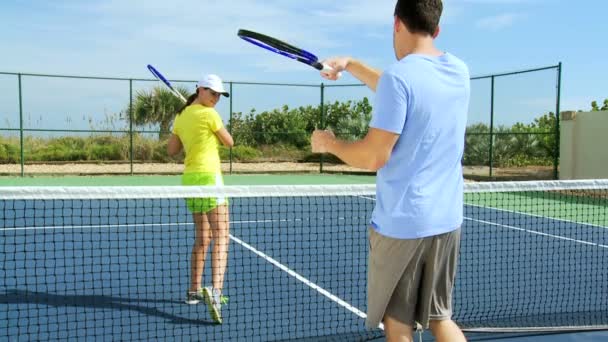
(322, 67)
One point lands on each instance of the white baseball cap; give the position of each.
(213, 82)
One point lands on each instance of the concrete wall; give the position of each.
(583, 145)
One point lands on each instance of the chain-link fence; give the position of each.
(59, 124)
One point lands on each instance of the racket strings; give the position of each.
(278, 44)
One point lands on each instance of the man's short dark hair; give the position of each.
(419, 16)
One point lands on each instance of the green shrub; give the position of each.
(9, 153)
(240, 153)
(74, 143)
(3, 154)
(160, 152)
(283, 152)
(143, 149)
(104, 140)
(105, 152)
(526, 160)
(58, 153)
(58, 149)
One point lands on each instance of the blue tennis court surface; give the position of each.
(119, 270)
(520, 270)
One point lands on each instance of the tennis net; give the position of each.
(114, 262)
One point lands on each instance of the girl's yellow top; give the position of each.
(196, 127)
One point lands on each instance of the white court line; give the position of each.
(144, 225)
(529, 230)
(137, 225)
(282, 221)
(534, 231)
(538, 233)
(539, 216)
(301, 278)
(108, 226)
(274, 262)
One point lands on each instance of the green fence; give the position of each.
(532, 146)
(513, 130)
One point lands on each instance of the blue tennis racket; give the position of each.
(283, 49)
(166, 82)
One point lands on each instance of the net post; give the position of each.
(21, 153)
(322, 122)
(131, 125)
(557, 125)
(491, 126)
(230, 126)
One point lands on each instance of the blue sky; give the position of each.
(187, 38)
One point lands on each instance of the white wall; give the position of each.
(583, 145)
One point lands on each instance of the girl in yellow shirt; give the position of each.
(198, 130)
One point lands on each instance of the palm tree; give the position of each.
(157, 106)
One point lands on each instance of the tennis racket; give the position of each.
(162, 78)
(284, 49)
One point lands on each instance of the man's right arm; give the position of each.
(364, 73)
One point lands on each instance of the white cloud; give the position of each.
(210, 26)
(457, 9)
(451, 12)
(128, 34)
(118, 37)
(498, 22)
(360, 13)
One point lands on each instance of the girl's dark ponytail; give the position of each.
(189, 102)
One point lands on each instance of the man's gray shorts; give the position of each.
(411, 280)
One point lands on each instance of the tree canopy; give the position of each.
(157, 106)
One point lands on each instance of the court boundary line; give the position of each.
(131, 225)
(300, 277)
(529, 230)
(536, 215)
(144, 225)
(538, 233)
(138, 225)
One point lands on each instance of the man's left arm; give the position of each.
(370, 153)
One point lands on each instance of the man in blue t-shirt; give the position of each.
(415, 143)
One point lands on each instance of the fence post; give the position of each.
(322, 122)
(131, 124)
(230, 125)
(22, 154)
(557, 124)
(492, 126)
